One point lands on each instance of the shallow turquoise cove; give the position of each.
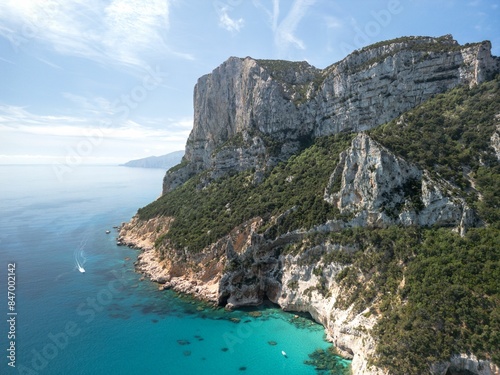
(106, 320)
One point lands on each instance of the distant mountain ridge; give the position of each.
(164, 161)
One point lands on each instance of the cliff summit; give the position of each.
(254, 113)
(366, 194)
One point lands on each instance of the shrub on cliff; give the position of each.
(450, 136)
(436, 294)
(204, 215)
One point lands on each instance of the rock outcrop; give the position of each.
(303, 289)
(495, 139)
(252, 113)
(174, 269)
(380, 189)
(465, 364)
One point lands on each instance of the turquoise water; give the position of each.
(107, 320)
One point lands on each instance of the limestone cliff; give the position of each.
(372, 185)
(382, 189)
(252, 113)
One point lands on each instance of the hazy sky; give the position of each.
(106, 81)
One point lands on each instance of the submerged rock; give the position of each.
(252, 113)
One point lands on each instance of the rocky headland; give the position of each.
(250, 117)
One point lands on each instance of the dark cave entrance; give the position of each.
(223, 299)
(455, 371)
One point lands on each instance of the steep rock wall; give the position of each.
(252, 113)
(372, 185)
(381, 189)
(286, 103)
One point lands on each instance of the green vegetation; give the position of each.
(294, 187)
(450, 137)
(449, 286)
(293, 284)
(452, 303)
(286, 73)
(435, 293)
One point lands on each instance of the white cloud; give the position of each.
(7, 61)
(285, 31)
(96, 106)
(18, 119)
(227, 22)
(119, 32)
(49, 63)
(285, 34)
(26, 136)
(333, 22)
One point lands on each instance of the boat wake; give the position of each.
(78, 258)
(79, 255)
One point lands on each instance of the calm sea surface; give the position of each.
(106, 320)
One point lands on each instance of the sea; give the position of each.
(109, 320)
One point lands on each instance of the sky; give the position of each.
(107, 81)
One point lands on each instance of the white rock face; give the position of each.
(252, 113)
(371, 179)
(465, 364)
(379, 189)
(348, 331)
(495, 139)
(289, 102)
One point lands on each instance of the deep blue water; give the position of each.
(106, 320)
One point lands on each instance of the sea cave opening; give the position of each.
(455, 371)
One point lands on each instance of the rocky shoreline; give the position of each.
(212, 280)
(243, 111)
(152, 267)
(350, 333)
(157, 270)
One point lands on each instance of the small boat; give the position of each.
(284, 354)
(81, 269)
(108, 232)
